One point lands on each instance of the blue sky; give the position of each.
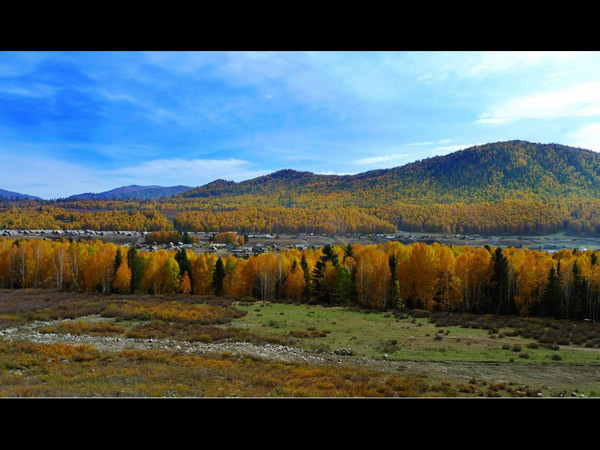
(73, 122)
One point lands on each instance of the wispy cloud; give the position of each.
(472, 65)
(588, 137)
(582, 100)
(330, 172)
(47, 177)
(382, 158)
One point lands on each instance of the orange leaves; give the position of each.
(185, 287)
(433, 277)
(122, 280)
(293, 287)
(171, 311)
(339, 219)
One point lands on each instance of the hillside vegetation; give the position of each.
(512, 187)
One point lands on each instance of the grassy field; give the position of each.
(362, 353)
(379, 334)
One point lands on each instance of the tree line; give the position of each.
(433, 277)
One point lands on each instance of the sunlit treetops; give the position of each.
(512, 187)
(434, 277)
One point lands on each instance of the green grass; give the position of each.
(369, 335)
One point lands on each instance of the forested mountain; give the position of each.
(512, 187)
(16, 196)
(132, 192)
(491, 172)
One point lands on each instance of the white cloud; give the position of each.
(582, 100)
(330, 172)
(385, 159)
(451, 65)
(588, 137)
(46, 177)
(444, 149)
(382, 158)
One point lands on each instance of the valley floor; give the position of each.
(56, 343)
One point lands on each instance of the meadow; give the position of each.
(362, 353)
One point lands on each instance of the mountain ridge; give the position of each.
(4, 194)
(490, 172)
(132, 192)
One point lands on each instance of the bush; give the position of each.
(524, 355)
(516, 348)
(556, 357)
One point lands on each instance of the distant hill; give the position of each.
(133, 192)
(490, 172)
(16, 196)
(510, 187)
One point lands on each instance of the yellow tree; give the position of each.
(122, 280)
(294, 284)
(185, 287)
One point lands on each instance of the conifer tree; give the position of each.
(117, 263)
(184, 264)
(499, 288)
(137, 270)
(579, 293)
(551, 300)
(218, 277)
(318, 272)
(304, 266)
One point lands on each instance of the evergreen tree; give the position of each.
(218, 277)
(551, 300)
(344, 287)
(137, 270)
(116, 265)
(328, 256)
(118, 261)
(304, 266)
(184, 264)
(579, 293)
(348, 252)
(499, 286)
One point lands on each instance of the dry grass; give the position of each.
(79, 328)
(31, 370)
(171, 311)
(158, 329)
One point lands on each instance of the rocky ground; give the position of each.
(30, 332)
(541, 375)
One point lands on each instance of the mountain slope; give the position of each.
(133, 192)
(16, 195)
(491, 172)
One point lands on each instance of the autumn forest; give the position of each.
(419, 276)
(512, 187)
